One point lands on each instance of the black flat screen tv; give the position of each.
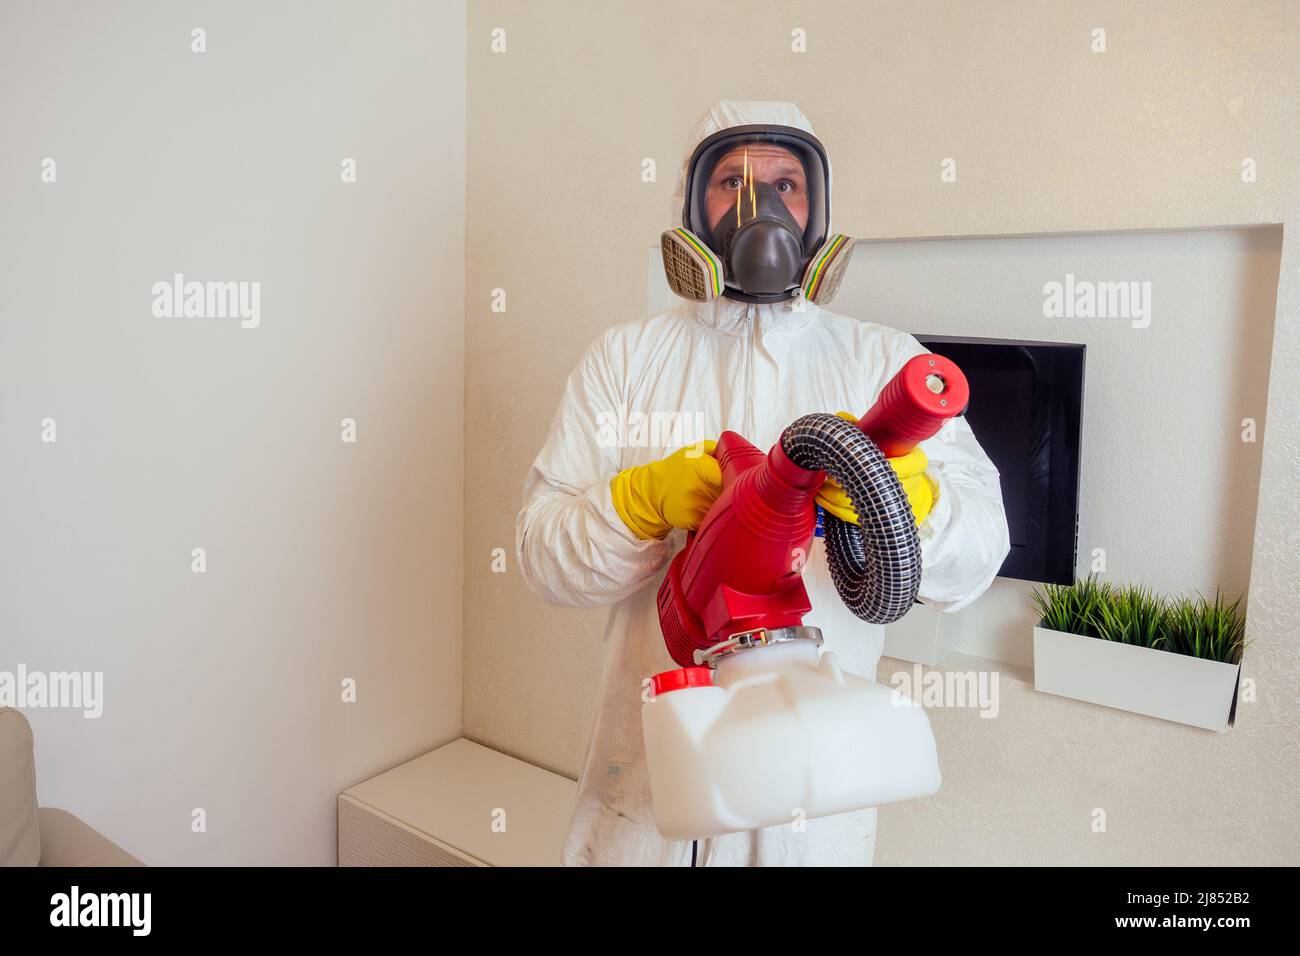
(1026, 406)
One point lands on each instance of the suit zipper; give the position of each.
(750, 423)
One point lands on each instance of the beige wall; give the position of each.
(325, 560)
(1049, 137)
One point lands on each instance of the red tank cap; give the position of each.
(682, 677)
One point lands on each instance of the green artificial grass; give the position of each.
(1198, 627)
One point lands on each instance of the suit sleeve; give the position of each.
(572, 546)
(964, 539)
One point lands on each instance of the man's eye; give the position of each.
(786, 186)
(733, 182)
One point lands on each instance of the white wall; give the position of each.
(325, 560)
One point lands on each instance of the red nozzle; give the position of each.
(926, 392)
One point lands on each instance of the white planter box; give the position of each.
(1161, 684)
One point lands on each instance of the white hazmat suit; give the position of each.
(752, 369)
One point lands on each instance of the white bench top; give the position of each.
(456, 793)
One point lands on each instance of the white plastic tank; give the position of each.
(780, 733)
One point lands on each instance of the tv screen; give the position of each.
(1026, 404)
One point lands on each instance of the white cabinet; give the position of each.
(460, 805)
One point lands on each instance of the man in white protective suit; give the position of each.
(602, 518)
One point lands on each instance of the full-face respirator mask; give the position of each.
(756, 251)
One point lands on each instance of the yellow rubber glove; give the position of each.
(674, 492)
(922, 491)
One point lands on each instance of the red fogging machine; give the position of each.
(758, 723)
(740, 570)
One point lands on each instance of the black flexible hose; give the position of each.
(875, 564)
